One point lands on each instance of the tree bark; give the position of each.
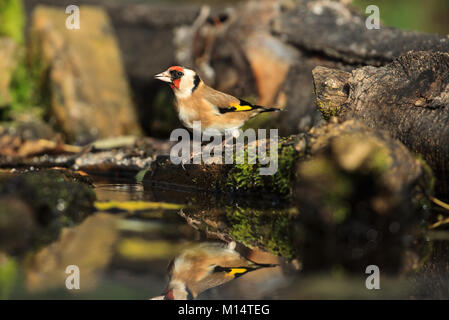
(409, 98)
(349, 182)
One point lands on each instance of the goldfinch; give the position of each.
(205, 266)
(195, 101)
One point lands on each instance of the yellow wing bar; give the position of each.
(239, 107)
(236, 271)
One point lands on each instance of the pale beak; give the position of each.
(164, 76)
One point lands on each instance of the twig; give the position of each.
(439, 223)
(440, 203)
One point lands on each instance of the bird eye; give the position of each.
(179, 74)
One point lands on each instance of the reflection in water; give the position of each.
(88, 245)
(205, 266)
(124, 255)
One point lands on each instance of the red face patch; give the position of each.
(169, 295)
(175, 83)
(175, 80)
(177, 68)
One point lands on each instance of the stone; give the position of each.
(8, 63)
(89, 93)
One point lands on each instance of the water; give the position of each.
(124, 255)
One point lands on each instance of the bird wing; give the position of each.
(226, 103)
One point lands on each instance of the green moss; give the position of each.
(12, 20)
(326, 111)
(8, 276)
(426, 189)
(247, 177)
(28, 87)
(428, 175)
(269, 229)
(284, 176)
(380, 160)
(337, 190)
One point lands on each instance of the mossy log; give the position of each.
(362, 196)
(356, 196)
(268, 229)
(398, 168)
(409, 98)
(239, 180)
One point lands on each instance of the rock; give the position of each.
(123, 156)
(36, 205)
(142, 29)
(89, 93)
(8, 63)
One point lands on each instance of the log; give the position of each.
(369, 151)
(356, 194)
(337, 31)
(409, 98)
(361, 195)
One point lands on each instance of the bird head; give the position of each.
(183, 81)
(175, 291)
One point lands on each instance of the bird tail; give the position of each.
(265, 109)
(239, 271)
(265, 265)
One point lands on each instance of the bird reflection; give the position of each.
(205, 266)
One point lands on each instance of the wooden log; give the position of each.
(373, 152)
(409, 98)
(356, 194)
(337, 31)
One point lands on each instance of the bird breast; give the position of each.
(187, 115)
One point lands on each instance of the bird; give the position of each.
(204, 266)
(196, 101)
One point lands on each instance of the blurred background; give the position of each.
(145, 46)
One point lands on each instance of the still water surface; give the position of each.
(124, 255)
